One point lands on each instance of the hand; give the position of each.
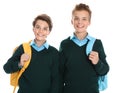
(94, 57)
(24, 57)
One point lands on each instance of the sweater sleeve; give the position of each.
(55, 73)
(12, 63)
(102, 67)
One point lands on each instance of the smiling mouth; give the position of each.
(80, 26)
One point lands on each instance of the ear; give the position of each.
(71, 21)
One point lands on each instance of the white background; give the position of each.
(16, 18)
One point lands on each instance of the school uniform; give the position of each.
(42, 74)
(77, 73)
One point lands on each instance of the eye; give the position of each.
(84, 19)
(37, 27)
(46, 28)
(76, 18)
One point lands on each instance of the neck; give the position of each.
(39, 42)
(81, 36)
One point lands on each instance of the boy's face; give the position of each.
(41, 30)
(80, 20)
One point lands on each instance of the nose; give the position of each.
(40, 30)
(79, 21)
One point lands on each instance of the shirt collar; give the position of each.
(46, 45)
(74, 37)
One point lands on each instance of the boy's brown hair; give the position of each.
(44, 17)
(80, 7)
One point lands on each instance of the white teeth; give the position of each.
(40, 35)
(80, 26)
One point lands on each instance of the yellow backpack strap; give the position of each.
(27, 49)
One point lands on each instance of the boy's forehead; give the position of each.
(80, 13)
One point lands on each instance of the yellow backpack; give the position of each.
(14, 77)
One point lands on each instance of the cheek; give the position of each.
(35, 32)
(88, 23)
(48, 33)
